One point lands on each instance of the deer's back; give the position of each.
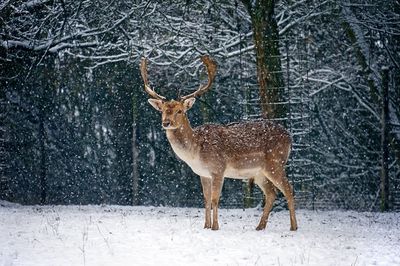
(243, 137)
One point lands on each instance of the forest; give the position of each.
(76, 127)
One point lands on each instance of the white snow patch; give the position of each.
(115, 235)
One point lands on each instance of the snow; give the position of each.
(116, 235)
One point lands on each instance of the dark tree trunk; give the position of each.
(385, 141)
(42, 150)
(135, 148)
(135, 167)
(269, 69)
(3, 153)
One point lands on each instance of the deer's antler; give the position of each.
(143, 71)
(211, 67)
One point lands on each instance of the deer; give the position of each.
(257, 150)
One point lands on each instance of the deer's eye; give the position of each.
(179, 112)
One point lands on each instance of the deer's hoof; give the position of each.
(260, 227)
(207, 226)
(293, 228)
(215, 226)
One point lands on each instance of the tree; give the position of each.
(373, 34)
(268, 60)
(332, 53)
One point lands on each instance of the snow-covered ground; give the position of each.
(115, 235)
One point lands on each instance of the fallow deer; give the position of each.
(255, 150)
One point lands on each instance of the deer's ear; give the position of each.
(157, 104)
(188, 103)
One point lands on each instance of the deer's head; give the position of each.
(174, 111)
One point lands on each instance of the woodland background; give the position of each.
(76, 128)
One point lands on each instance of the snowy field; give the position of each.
(115, 235)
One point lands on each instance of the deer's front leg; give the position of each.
(216, 186)
(206, 184)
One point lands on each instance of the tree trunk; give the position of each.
(42, 166)
(3, 154)
(268, 61)
(385, 141)
(135, 151)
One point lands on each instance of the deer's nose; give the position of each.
(166, 123)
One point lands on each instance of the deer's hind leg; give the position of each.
(270, 195)
(277, 175)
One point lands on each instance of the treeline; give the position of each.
(76, 127)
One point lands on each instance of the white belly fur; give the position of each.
(231, 172)
(200, 169)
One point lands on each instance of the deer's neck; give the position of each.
(182, 139)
